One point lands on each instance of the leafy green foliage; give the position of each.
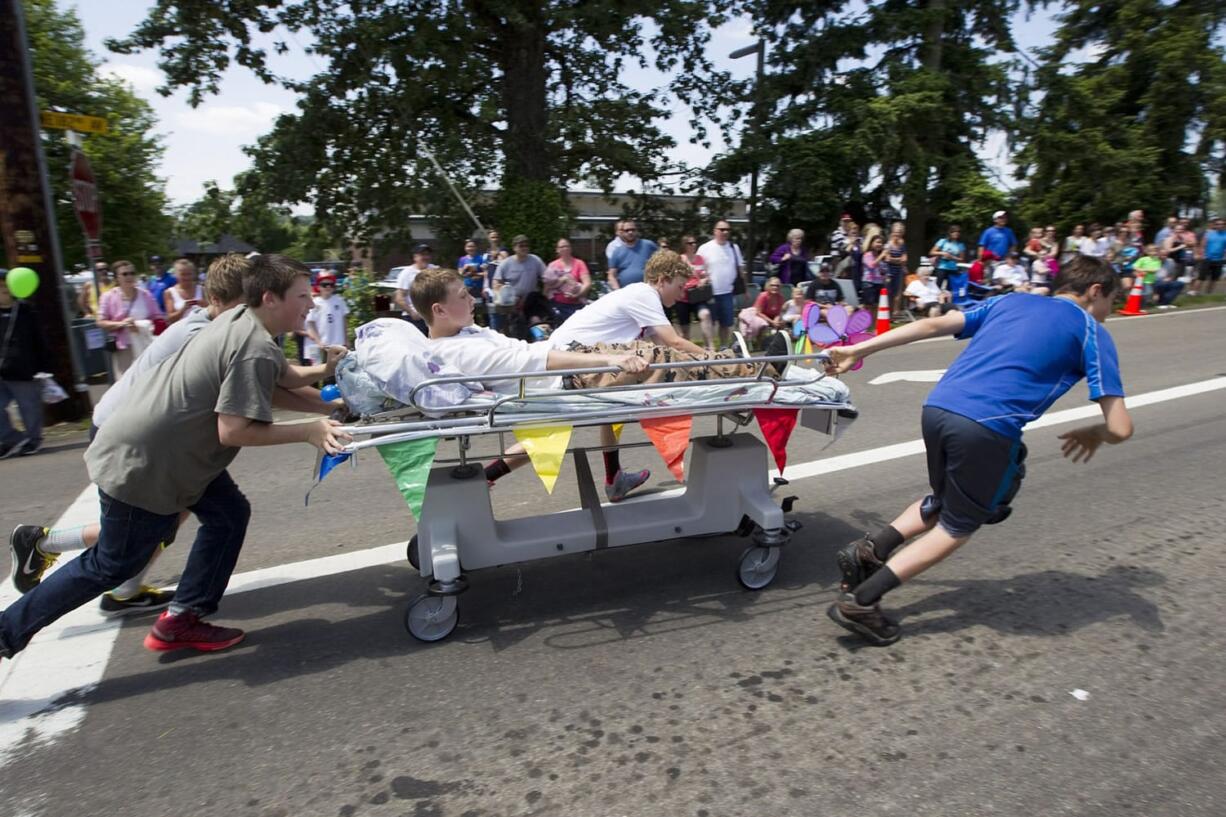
(500, 91)
(124, 161)
(1140, 124)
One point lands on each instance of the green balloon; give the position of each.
(22, 282)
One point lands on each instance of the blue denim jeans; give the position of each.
(29, 397)
(128, 538)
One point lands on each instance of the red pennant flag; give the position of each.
(777, 425)
(670, 436)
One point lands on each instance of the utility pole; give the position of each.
(755, 120)
(27, 217)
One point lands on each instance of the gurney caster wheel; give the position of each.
(414, 559)
(431, 618)
(758, 567)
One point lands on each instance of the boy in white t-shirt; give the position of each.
(326, 323)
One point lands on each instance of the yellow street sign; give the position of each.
(72, 121)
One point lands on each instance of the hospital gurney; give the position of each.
(726, 490)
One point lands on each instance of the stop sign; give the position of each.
(85, 196)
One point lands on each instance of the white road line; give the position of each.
(71, 655)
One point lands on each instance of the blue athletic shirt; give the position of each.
(1025, 352)
(1215, 245)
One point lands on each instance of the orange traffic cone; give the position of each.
(1133, 307)
(883, 312)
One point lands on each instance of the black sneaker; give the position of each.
(29, 563)
(146, 600)
(857, 562)
(867, 622)
(29, 447)
(778, 346)
(13, 450)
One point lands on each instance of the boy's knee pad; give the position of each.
(929, 508)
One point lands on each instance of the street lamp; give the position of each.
(758, 48)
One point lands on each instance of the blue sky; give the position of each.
(206, 142)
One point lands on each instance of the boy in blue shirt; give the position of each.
(972, 426)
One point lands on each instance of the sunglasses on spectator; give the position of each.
(330, 286)
(691, 242)
(723, 229)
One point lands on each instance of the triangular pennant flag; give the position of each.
(546, 448)
(617, 431)
(777, 425)
(324, 464)
(410, 464)
(670, 436)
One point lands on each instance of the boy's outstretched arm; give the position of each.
(842, 358)
(1081, 443)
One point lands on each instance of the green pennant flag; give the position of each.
(410, 464)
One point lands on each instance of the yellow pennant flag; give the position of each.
(546, 448)
(617, 431)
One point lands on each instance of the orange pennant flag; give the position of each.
(777, 425)
(670, 436)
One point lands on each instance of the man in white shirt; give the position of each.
(422, 254)
(929, 297)
(1011, 273)
(326, 323)
(725, 265)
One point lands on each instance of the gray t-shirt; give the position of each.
(524, 276)
(159, 449)
(163, 346)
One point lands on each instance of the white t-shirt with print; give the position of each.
(619, 317)
(722, 265)
(328, 318)
(477, 351)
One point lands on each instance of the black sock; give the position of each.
(497, 470)
(885, 542)
(612, 464)
(875, 586)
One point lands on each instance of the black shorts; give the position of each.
(687, 313)
(1211, 270)
(974, 472)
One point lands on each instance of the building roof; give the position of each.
(225, 244)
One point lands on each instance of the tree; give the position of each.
(868, 107)
(520, 94)
(267, 227)
(1140, 124)
(125, 161)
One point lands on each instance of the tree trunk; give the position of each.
(928, 143)
(524, 81)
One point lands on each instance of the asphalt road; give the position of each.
(645, 681)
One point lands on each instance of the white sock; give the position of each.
(62, 540)
(133, 585)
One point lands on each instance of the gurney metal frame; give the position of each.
(726, 491)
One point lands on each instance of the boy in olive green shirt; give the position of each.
(166, 448)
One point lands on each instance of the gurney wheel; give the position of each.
(758, 567)
(431, 618)
(414, 559)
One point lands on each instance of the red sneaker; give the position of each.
(187, 631)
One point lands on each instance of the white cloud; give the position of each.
(241, 122)
(143, 80)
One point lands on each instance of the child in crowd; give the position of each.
(326, 325)
(1011, 275)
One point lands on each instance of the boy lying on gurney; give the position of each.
(602, 334)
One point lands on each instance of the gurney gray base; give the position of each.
(727, 480)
